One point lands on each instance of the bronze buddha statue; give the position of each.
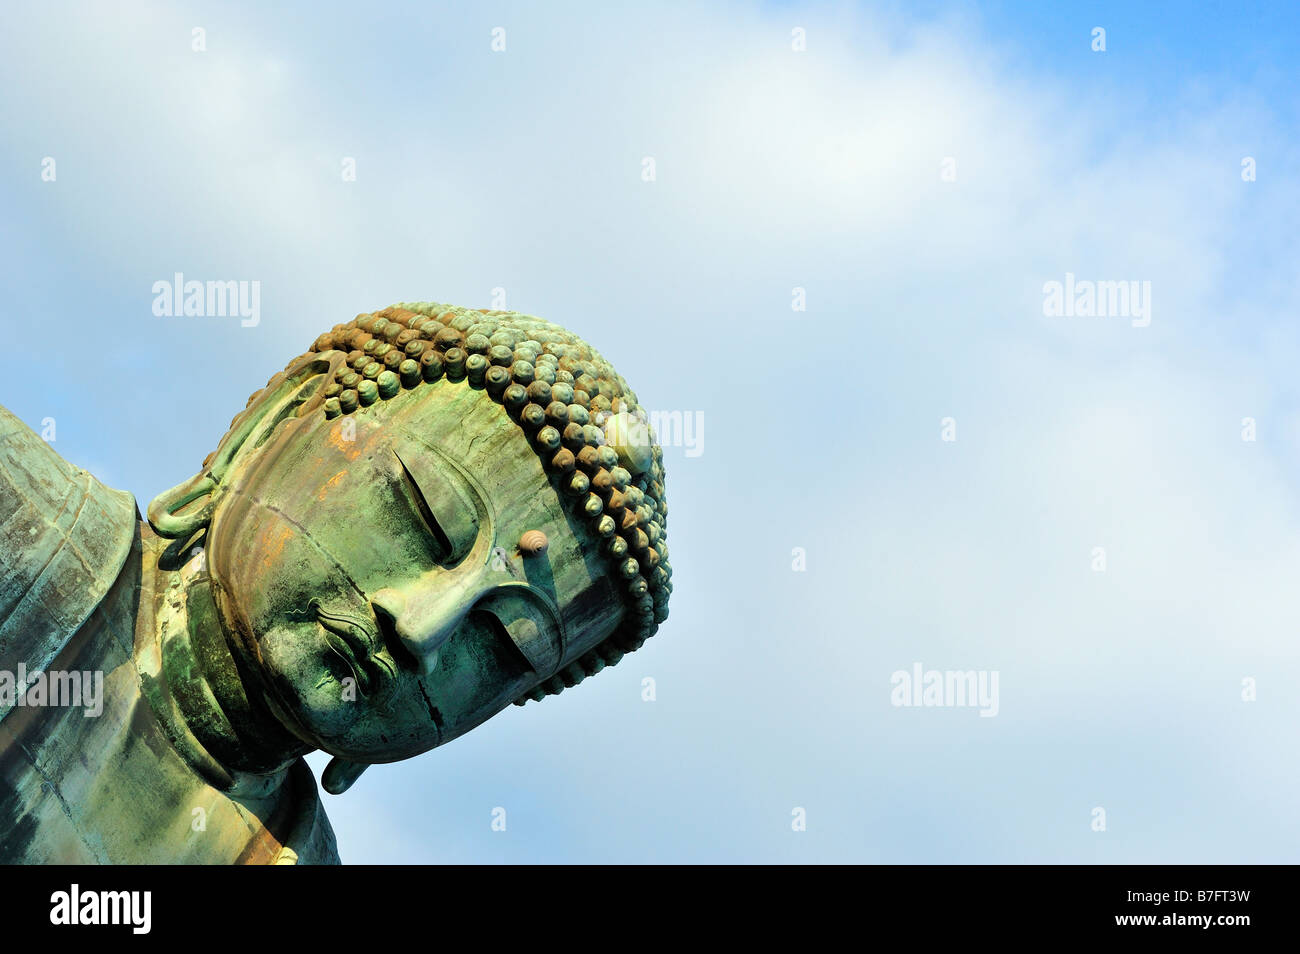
(432, 514)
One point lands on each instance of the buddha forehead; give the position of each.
(438, 475)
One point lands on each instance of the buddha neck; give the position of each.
(211, 707)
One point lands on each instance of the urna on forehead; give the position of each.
(578, 413)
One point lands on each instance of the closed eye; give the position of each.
(426, 513)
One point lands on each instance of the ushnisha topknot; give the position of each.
(580, 416)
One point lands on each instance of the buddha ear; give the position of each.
(162, 512)
(297, 390)
(340, 774)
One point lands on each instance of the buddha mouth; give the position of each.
(354, 639)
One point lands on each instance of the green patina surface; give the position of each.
(432, 514)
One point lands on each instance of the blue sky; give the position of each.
(776, 169)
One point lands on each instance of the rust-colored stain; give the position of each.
(329, 484)
(276, 546)
(348, 449)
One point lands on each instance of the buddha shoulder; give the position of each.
(64, 538)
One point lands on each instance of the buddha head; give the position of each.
(434, 513)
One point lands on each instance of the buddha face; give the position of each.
(368, 570)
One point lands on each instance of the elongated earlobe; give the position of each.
(162, 509)
(340, 774)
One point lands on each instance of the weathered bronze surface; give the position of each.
(432, 514)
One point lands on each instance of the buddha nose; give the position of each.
(421, 621)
